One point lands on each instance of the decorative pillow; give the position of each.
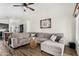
(33, 34)
(53, 37)
(58, 38)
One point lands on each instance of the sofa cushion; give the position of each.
(42, 39)
(14, 35)
(50, 43)
(25, 35)
(20, 35)
(43, 35)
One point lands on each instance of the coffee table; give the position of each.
(33, 42)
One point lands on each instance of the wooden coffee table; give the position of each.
(33, 42)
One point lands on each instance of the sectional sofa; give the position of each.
(44, 39)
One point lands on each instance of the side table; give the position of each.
(33, 42)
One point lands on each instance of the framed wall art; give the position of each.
(45, 23)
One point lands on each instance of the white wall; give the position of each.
(8, 10)
(4, 20)
(62, 19)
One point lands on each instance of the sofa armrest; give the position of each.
(61, 41)
(14, 42)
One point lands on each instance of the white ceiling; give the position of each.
(7, 10)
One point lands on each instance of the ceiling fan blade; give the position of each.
(24, 4)
(30, 3)
(17, 5)
(31, 8)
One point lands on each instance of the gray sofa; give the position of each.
(19, 39)
(46, 44)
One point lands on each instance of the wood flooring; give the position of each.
(27, 51)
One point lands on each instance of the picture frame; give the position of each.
(45, 23)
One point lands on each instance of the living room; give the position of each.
(44, 19)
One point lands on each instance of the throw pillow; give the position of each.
(33, 34)
(58, 38)
(53, 37)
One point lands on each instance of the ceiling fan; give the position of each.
(25, 5)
